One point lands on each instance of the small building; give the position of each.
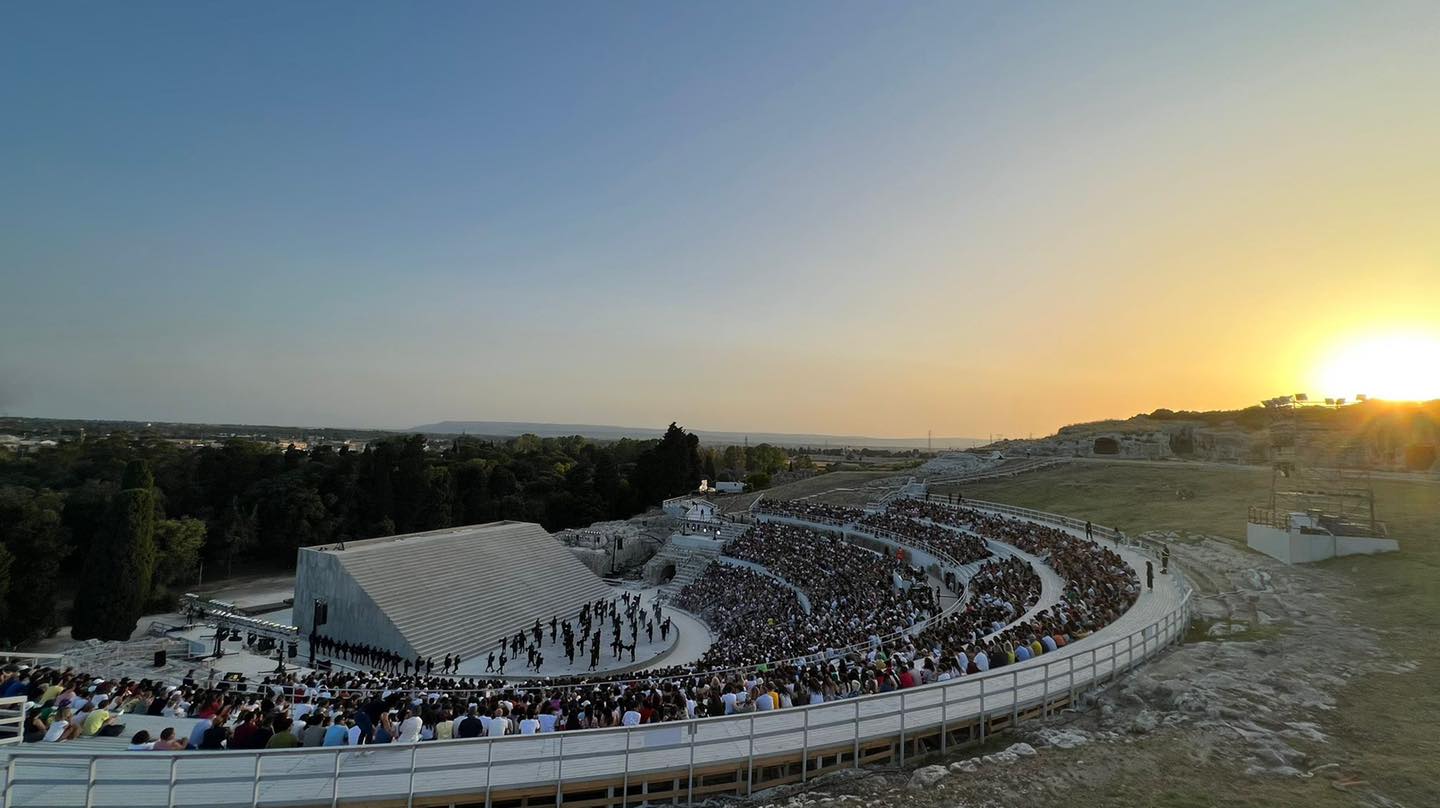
(1301, 537)
(729, 487)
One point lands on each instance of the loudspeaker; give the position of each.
(160, 658)
(293, 648)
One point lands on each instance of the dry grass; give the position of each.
(1386, 723)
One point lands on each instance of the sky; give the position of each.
(855, 218)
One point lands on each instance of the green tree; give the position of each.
(669, 468)
(179, 542)
(6, 627)
(237, 534)
(33, 534)
(115, 582)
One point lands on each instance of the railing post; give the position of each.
(1045, 693)
(335, 782)
(255, 784)
(690, 784)
(170, 798)
(410, 792)
(856, 725)
(804, 746)
(560, 769)
(944, 717)
(625, 795)
(982, 709)
(902, 728)
(750, 760)
(1071, 683)
(1129, 652)
(90, 785)
(9, 780)
(1014, 697)
(489, 773)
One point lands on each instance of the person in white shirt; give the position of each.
(410, 729)
(62, 729)
(499, 725)
(529, 726)
(547, 721)
(631, 718)
(352, 734)
(728, 697)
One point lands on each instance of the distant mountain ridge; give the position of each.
(507, 429)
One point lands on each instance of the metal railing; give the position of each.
(474, 769)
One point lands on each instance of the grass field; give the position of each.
(1387, 723)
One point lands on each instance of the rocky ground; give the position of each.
(1234, 716)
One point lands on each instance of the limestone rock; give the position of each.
(927, 777)
(1061, 738)
(1144, 721)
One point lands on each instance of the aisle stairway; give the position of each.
(690, 563)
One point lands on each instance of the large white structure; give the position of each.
(1302, 538)
(447, 591)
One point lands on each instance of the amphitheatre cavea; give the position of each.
(819, 404)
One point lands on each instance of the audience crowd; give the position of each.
(869, 630)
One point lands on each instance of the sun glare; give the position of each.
(1396, 367)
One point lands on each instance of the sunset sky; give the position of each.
(855, 218)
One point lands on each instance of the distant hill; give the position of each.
(508, 429)
(1378, 435)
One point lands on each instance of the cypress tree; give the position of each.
(115, 581)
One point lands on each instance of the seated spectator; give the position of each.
(169, 743)
(63, 728)
(216, 735)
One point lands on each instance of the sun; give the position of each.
(1396, 367)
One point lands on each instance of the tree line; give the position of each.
(126, 522)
